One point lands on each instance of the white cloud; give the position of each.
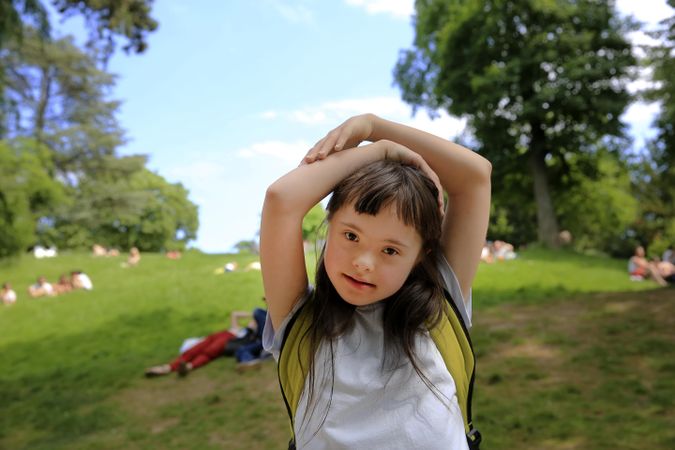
(269, 115)
(332, 113)
(648, 11)
(286, 151)
(294, 13)
(198, 177)
(196, 171)
(397, 8)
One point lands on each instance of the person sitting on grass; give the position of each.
(80, 280)
(63, 285)
(41, 288)
(222, 343)
(134, 257)
(7, 294)
(666, 270)
(640, 268)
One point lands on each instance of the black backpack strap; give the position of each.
(473, 438)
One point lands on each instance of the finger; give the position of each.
(341, 140)
(324, 147)
(436, 180)
(331, 142)
(311, 155)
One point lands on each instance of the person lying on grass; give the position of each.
(245, 344)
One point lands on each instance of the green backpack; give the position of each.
(450, 336)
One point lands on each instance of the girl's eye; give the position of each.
(351, 236)
(390, 251)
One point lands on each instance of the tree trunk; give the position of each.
(41, 110)
(547, 224)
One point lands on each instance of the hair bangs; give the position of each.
(384, 184)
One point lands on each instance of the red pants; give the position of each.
(210, 348)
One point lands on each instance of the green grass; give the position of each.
(571, 355)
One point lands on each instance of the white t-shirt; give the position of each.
(86, 281)
(9, 296)
(48, 288)
(374, 407)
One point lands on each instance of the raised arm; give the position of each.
(286, 202)
(464, 175)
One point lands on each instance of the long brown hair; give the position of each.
(419, 304)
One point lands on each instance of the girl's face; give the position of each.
(368, 258)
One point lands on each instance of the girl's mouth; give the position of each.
(359, 284)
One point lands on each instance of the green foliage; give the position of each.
(125, 205)
(13, 15)
(104, 18)
(539, 81)
(27, 193)
(598, 210)
(312, 222)
(248, 246)
(57, 96)
(655, 171)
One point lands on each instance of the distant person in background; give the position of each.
(134, 257)
(668, 255)
(639, 268)
(666, 270)
(250, 355)
(7, 294)
(41, 288)
(503, 251)
(565, 238)
(486, 253)
(173, 254)
(63, 285)
(98, 250)
(80, 280)
(226, 342)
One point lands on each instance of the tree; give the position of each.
(541, 82)
(247, 246)
(55, 93)
(655, 175)
(125, 205)
(27, 193)
(599, 210)
(60, 101)
(105, 19)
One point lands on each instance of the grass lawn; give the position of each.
(571, 355)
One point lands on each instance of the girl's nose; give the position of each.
(364, 262)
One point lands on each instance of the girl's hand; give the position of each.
(348, 135)
(398, 152)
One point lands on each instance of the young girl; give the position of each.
(376, 379)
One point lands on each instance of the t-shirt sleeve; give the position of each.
(452, 285)
(272, 338)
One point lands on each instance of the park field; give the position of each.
(571, 355)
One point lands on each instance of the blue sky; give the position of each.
(231, 94)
